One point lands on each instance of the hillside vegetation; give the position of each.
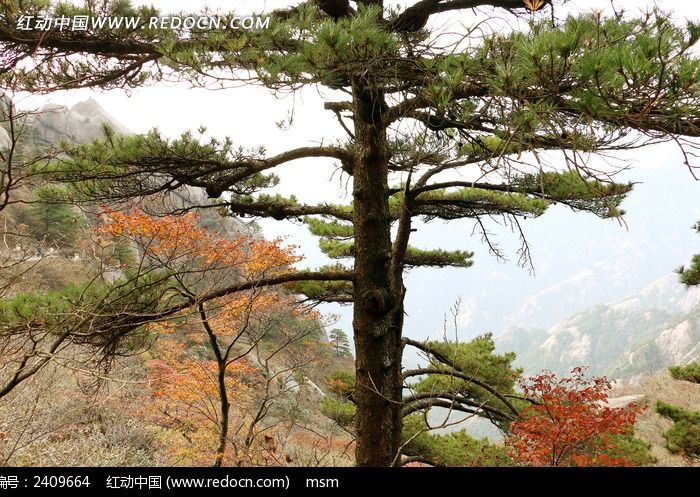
(149, 401)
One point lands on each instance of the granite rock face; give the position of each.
(80, 123)
(5, 105)
(656, 327)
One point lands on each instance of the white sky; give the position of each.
(249, 115)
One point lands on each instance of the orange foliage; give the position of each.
(570, 425)
(232, 312)
(179, 239)
(185, 401)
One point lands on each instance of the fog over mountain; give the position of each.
(602, 294)
(654, 328)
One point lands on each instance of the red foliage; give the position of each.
(571, 424)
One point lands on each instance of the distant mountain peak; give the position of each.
(666, 293)
(92, 109)
(88, 105)
(80, 123)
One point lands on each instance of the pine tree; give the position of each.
(684, 436)
(438, 127)
(691, 275)
(339, 343)
(56, 224)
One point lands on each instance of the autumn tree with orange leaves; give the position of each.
(570, 424)
(177, 243)
(255, 336)
(183, 405)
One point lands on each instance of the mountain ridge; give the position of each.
(647, 331)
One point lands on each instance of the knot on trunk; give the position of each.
(378, 302)
(277, 212)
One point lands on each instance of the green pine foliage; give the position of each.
(331, 291)
(447, 204)
(54, 223)
(339, 405)
(105, 316)
(453, 449)
(636, 451)
(475, 359)
(691, 275)
(117, 166)
(689, 372)
(329, 229)
(684, 436)
(123, 253)
(341, 411)
(570, 188)
(478, 360)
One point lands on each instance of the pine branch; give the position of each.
(425, 400)
(325, 291)
(416, 16)
(454, 371)
(335, 8)
(127, 166)
(449, 404)
(410, 257)
(280, 210)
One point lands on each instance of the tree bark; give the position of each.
(224, 407)
(378, 309)
(224, 404)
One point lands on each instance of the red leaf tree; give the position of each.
(570, 424)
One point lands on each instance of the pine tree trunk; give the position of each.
(377, 311)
